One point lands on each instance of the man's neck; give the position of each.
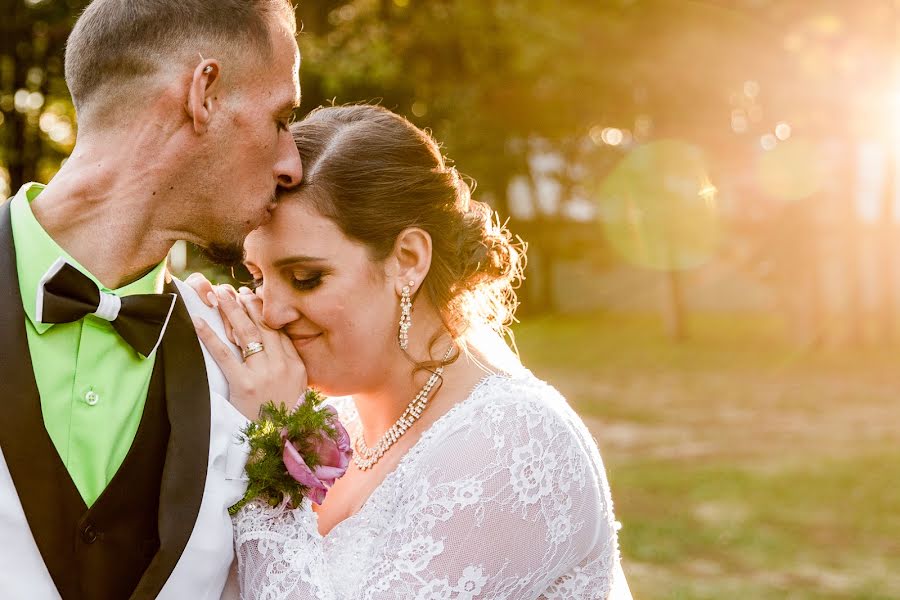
(103, 216)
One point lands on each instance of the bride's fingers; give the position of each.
(281, 351)
(229, 330)
(278, 346)
(221, 353)
(212, 299)
(202, 286)
(274, 337)
(228, 289)
(253, 304)
(286, 343)
(289, 351)
(234, 313)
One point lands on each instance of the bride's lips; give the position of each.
(302, 340)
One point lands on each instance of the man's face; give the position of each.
(252, 151)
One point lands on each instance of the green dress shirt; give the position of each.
(93, 385)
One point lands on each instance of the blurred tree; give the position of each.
(37, 127)
(486, 75)
(498, 81)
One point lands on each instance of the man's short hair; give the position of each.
(115, 42)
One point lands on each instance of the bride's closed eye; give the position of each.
(307, 283)
(299, 283)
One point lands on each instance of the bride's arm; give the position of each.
(279, 554)
(513, 504)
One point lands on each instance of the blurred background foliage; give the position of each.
(737, 143)
(709, 190)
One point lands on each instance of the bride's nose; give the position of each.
(278, 311)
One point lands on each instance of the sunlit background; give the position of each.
(710, 193)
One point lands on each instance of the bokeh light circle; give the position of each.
(791, 171)
(783, 131)
(659, 207)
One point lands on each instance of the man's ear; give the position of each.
(412, 256)
(204, 83)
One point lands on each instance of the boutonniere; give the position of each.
(294, 452)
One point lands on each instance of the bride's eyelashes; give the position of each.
(300, 283)
(307, 283)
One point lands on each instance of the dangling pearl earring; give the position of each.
(405, 314)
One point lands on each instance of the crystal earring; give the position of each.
(405, 314)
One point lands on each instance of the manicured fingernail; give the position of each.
(198, 322)
(245, 290)
(212, 299)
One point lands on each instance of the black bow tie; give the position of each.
(65, 294)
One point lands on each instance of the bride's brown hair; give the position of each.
(375, 174)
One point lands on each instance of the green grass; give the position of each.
(741, 467)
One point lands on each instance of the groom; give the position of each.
(119, 455)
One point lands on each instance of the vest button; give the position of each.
(89, 534)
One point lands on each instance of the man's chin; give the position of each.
(228, 254)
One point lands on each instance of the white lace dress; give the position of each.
(504, 497)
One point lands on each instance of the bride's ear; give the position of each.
(204, 83)
(412, 258)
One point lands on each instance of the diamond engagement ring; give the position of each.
(251, 349)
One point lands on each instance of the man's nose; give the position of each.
(288, 169)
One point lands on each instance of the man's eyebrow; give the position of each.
(289, 106)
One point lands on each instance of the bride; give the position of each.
(380, 282)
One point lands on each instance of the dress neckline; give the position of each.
(414, 452)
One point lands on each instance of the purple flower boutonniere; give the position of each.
(333, 453)
(295, 453)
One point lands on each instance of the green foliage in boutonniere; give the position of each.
(294, 452)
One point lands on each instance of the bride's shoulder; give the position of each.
(518, 425)
(521, 401)
(521, 389)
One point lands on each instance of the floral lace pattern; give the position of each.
(504, 497)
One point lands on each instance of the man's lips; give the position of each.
(265, 218)
(270, 208)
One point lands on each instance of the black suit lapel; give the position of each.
(34, 464)
(184, 475)
(29, 453)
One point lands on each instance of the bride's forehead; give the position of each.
(294, 230)
(294, 213)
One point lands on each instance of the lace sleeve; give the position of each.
(509, 501)
(279, 554)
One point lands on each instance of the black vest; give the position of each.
(127, 544)
(112, 542)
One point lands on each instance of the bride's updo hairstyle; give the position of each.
(375, 174)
